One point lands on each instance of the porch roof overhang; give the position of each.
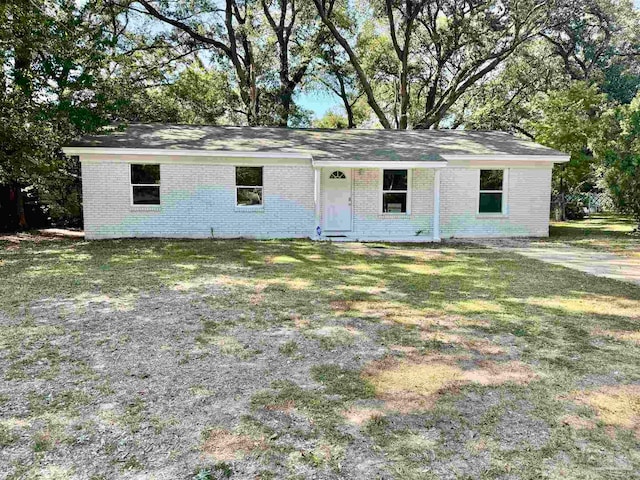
(390, 164)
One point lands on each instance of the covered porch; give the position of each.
(375, 201)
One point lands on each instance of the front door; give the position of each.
(336, 185)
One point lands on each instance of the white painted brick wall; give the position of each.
(197, 201)
(528, 200)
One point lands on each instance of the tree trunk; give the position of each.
(22, 218)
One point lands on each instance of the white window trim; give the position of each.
(382, 192)
(504, 192)
(131, 185)
(261, 187)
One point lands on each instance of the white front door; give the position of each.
(336, 184)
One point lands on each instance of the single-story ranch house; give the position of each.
(223, 182)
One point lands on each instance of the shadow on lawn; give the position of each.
(471, 321)
(412, 288)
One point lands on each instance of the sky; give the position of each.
(319, 102)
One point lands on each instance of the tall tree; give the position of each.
(442, 48)
(66, 69)
(238, 32)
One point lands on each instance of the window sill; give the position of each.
(394, 214)
(246, 209)
(145, 208)
(492, 215)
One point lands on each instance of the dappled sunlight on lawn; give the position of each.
(622, 335)
(308, 353)
(589, 303)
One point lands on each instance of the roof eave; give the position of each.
(72, 150)
(556, 158)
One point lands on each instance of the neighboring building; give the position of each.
(417, 185)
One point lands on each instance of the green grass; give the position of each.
(468, 306)
(603, 232)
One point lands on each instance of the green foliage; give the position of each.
(575, 120)
(623, 162)
(332, 120)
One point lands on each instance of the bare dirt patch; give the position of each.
(578, 423)
(360, 416)
(286, 407)
(224, 445)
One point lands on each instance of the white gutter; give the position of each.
(182, 153)
(379, 164)
(506, 158)
(316, 163)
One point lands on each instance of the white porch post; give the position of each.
(436, 205)
(316, 199)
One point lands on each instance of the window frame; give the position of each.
(261, 187)
(505, 183)
(407, 192)
(131, 185)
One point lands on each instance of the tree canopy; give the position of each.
(565, 73)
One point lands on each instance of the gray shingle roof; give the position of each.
(346, 145)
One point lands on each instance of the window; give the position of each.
(394, 191)
(248, 186)
(338, 175)
(145, 184)
(491, 189)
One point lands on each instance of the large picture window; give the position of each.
(491, 191)
(395, 184)
(248, 186)
(145, 184)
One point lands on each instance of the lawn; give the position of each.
(604, 232)
(291, 359)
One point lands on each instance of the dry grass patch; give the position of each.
(413, 383)
(291, 283)
(616, 406)
(622, 335)
(400, 313)
(416, 382)
(360, 416)
(592, 305)
(287, 407)
(578, 423)
(494, 373)
(396, 312)
(225, 446)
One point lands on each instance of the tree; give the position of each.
(622, 160)
(242, 34)
(590, 35)
(196, 96)
(442, 48)
(334, 73)
(66, 70)
(332, 120)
